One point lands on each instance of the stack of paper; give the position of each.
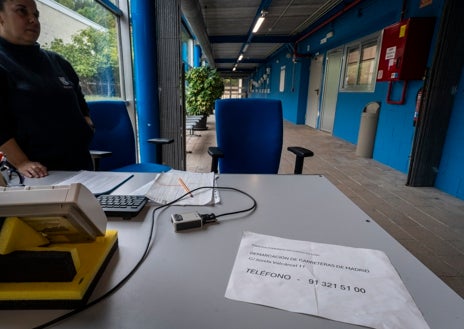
(98, 182)
(197, 188)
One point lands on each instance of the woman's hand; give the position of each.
(90, 123)
(32, 169)
(17, 158)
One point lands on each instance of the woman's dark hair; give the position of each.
(2, 2)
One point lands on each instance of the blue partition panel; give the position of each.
(145, 76)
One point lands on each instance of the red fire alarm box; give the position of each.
(405, 49)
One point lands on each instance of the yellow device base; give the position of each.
(17, 235)
(92, 260)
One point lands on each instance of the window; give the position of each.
(233, 88)
(86, 34)
(282, 79)
(360, 65)
(187, 45)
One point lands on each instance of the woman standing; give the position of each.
(44, 119)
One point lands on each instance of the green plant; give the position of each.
(204, 86)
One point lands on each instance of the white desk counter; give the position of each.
(183, 281)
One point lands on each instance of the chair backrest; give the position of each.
(113, 132)
(250, 133)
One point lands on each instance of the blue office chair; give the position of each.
(249, 134)
(113, 145)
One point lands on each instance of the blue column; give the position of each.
(145, 76)
(196, 56)
(185, 52)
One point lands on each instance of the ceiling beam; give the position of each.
(245, 60)
(228, 73)
(192, 13)
(244, 38)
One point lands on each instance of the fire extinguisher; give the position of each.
(418, 105)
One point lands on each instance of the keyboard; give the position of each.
(126, 206)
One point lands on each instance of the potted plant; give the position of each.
(204, 86)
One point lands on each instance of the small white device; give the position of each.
(63, 214)
(186, 221)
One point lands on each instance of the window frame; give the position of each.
(126, 73)
(360, 45)
(111, 7)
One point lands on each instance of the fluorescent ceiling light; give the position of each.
(245, 47)
(240, 57)
(258, 24)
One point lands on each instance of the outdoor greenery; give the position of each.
(94, 56)
(90, 9)
(204, 86)
(92, 53)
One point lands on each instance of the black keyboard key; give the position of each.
(125, 206)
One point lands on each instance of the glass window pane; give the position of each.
(282, 79)
(233, 89)
(369, 52)
(351, 78)
(353, 55)
(85, 34)
(360, 66)
(366, 72)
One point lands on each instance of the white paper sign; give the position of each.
(352, 285)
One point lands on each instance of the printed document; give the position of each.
(99, 182)
(171, 185)
(350, 285)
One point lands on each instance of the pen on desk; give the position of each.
(182, 183)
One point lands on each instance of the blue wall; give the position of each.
(296, 84)
(395, 130)
(451, 174)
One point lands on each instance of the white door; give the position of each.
(333, 68)
(314, 91)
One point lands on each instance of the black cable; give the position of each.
(209, 218)
(150, 242)
(112, 290)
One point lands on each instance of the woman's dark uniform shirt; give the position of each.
(42, 107)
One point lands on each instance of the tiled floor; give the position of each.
(428, 222)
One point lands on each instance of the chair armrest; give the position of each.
(97, 155)
(215, 153)
(300, 153)
(160, 141)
